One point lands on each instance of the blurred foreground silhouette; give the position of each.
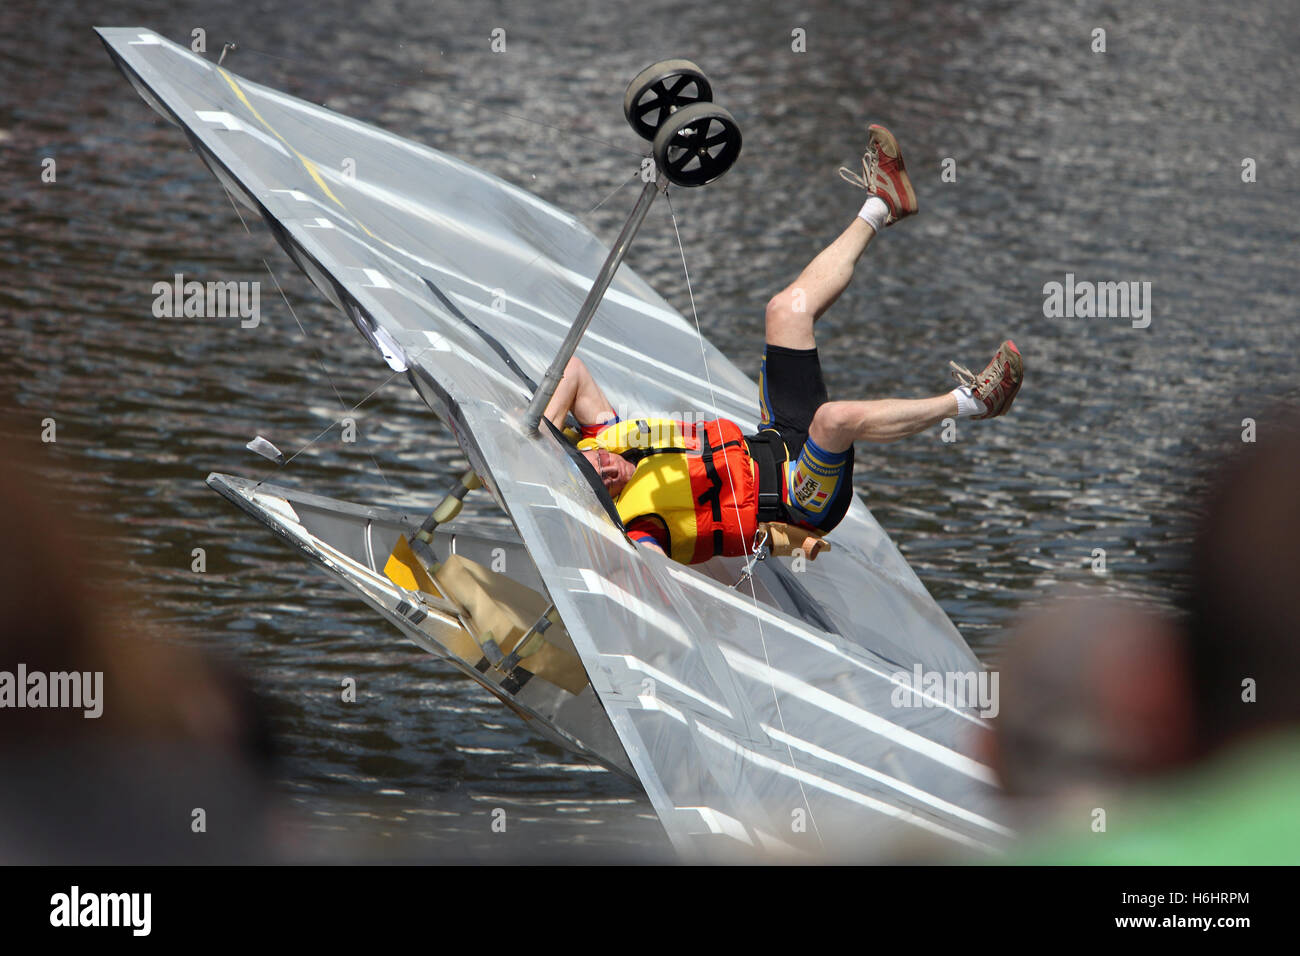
(1180, 738)
(174, 734)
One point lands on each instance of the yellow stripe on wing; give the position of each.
(307, 164)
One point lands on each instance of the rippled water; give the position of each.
(1117, 166)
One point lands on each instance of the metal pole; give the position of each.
(551, 381)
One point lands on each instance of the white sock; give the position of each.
(874, 212)
(967, 403)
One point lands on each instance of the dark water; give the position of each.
(1122, 166)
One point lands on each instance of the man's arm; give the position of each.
(648, 532)
(578, 393)
(648, 542)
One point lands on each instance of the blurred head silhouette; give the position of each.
(169, 733)
(1242, 635)
(1099, 693)
(1093, 697)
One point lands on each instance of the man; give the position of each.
(698, 490)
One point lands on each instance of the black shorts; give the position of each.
(818, 485)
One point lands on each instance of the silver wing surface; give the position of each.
(761, 720)
(352, 544)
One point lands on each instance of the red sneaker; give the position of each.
(998, 384)
(884, 174)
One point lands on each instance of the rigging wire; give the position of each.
(328, 428)
(753, 592)
(320, 359)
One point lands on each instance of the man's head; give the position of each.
(615, 471)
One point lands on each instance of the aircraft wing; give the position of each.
(761, 718)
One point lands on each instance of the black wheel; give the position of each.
(659, 90)
(697, 144)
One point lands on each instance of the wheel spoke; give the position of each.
(696, 144)
(660, 90)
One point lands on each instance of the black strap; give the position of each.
(492, 341)
(762, 450)
(714, 495)
(634, 455)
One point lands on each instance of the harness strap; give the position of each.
(714, 495)
(634, 455)
(771, 507)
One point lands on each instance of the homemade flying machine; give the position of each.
(756, 700)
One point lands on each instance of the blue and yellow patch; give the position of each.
(812, 480)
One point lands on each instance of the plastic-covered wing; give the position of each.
(769, 716)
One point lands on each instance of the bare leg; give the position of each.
(578, 393)
(837, 425)
(792, 311)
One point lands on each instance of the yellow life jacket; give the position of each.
(697, 479)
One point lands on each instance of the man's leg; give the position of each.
(819, 482)
(837, 425)
(792, 311)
